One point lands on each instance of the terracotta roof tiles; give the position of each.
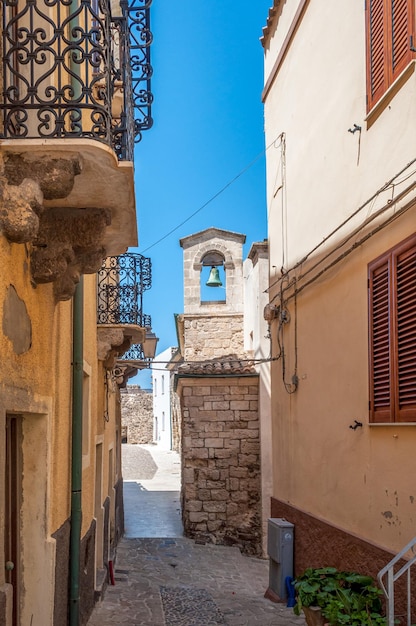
(220, 366)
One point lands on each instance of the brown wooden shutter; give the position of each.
(389, 28)
(405, 323)
(402, 26)
(381, 387)
(376, 51)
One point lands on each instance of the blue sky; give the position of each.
(208, 127)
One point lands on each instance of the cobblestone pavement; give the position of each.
(173, 581)
(176, 582)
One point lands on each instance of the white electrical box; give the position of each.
(280, 535)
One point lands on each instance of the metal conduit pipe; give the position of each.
(77, 390)
(76, 464)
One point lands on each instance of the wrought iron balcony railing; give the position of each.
(136, 354)
(72, 68)
(122, 281)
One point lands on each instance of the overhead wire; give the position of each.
(349, 237)
(287, 283)
(212, 198)
(384, 187)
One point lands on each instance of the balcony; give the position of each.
(122, 280)
(138, 357)
(75, 98)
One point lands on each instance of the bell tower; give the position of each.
(212, 323)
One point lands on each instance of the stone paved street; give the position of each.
(170, 580)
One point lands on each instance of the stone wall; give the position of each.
(176, 420)
(208, 337)
(221, 460)
(136, 414)
(197, 249)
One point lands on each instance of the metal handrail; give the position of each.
(392, 577)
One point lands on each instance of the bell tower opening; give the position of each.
(213, 278)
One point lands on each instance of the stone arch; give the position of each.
(213, 248)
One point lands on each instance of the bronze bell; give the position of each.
(214, 278)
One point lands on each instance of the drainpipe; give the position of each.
(76, 469)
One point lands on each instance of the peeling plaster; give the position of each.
(16, 322)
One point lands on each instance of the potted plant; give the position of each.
(336, 598)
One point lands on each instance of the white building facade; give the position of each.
(162, 422)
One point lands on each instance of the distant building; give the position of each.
(136, 415)
(162, 413)
(219, 389)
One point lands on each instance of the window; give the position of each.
(392, 330)
(163, 384)
(390, 29)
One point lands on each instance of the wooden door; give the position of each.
(12, 509)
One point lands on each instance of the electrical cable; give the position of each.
(233, 180)
(356, 244)
(355, 232)
(350, 217)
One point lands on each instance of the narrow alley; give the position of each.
(164, 579)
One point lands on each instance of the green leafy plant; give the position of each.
(343, 597)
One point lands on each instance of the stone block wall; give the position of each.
(208, 337)
(221, 488)
(197, 250)
(136, 414)
(176, 420)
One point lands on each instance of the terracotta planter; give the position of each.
(313, 616)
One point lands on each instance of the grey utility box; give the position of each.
(280, 550)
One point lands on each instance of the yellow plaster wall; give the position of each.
(102, 430)
(45, 369)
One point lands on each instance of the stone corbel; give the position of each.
(114, 341)
(66, 242)
(69, 243)
(54, 175)
(20, 208)
(122, 373)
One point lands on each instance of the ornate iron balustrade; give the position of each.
(122, 281)
(136, 354)
(135, 41)
(64, 64)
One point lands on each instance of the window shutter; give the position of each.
(381, 387)
(376, 50)
(389, 27)
(402, 22)
(405, 354)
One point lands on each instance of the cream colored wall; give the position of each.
(318, 95)
(274, 43)
(360, 480)
(256, 342)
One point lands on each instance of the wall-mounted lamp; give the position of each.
(149, 345)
